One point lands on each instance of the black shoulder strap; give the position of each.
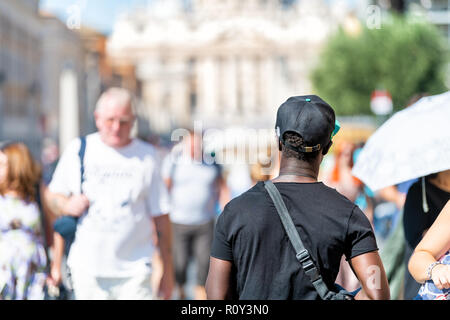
(81, 156)
(301, 253)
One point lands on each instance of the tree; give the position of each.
(405, 57)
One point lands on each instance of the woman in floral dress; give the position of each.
(22, 254)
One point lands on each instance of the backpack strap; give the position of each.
(81, 153)
(301, 253)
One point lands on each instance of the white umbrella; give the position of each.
(413, 143)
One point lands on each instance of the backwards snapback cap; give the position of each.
(310, 117)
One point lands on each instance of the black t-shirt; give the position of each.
(416, 221)
(250, 234)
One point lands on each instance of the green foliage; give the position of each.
(403, 56)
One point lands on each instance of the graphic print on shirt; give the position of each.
(112, 190)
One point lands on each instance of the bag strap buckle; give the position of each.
(303, 256)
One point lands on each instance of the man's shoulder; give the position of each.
(146, 153)
(249, 199)
(238, 211)
(75, 143)
(332, 196)
(136, 143)
(90, 137)
(73, 146)
(144, 146)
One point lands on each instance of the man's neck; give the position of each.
(119, 146)
(292, 170)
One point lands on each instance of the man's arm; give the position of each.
(369, 269)
(60, 204)
(219, 282)
(164, 233)
(168, 183)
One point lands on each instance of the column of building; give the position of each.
(207, 88)
(230, 83)
(179, 93)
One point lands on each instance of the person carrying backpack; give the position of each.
(284, 239)
(123, 203)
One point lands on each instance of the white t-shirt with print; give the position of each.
(125, 190)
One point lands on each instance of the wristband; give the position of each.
(430, 269)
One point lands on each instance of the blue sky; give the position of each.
(99, 14)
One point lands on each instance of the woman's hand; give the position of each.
(441, 276)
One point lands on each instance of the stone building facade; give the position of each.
(222, 62)
(35, 50)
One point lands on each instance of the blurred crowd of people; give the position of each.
(398, 214)
(143, 213)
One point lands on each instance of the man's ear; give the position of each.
(96, 119)
(327, 148)
(279, 145)
(96, 115)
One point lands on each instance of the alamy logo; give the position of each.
(74, 12)
(373, 17)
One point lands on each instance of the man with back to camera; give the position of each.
(123, 195)
(252, 257)
(195, 187)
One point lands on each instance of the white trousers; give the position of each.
(87, 287)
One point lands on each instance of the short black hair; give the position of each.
(296, 140)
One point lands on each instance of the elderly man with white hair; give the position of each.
(119, 198)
